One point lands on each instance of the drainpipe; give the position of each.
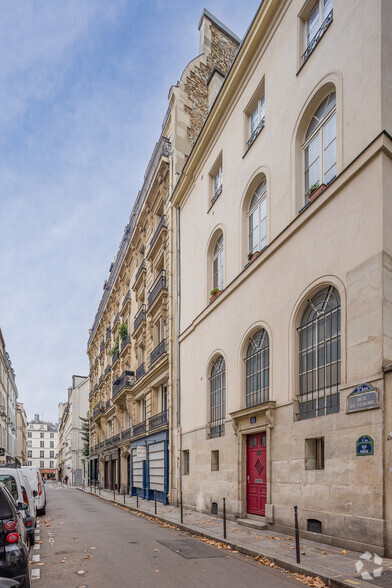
(179, 437)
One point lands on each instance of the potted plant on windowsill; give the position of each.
(315, 191)
(252, 256)
(214, 294)
(123, 331)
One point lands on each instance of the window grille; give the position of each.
(257, 369)
(218, 398)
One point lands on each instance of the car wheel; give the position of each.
(32, 539)
(42, 511)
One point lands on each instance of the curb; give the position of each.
(281, 562)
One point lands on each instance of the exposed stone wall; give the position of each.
(221, 55)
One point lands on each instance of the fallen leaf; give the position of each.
(156, 549)
(156, 571)
(93, 548)
(64, 560)
(344, 551)
(40, 564)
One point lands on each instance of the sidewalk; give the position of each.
(334, 565)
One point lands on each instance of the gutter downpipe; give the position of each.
(178, 351)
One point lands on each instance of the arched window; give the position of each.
(257, 219)
(217, 264)
(257, 369)
(218, 398)
(320, 146)
(319, 355)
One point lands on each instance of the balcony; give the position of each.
(115, 357)
(314, 42)
(125, 342)
(107, 370)
(113, 440)
(139, 318)
(160, 232)
(139, 429)
(126, 379)
(102, 345)
(107, 405)
(140, 371)
(127, 300)
(139, 275)
(127, 434)
(157, 287)
(159, 350)
(98, 409)
(158, 420)
(108, 333)
(116, 320)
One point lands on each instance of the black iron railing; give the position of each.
(127, 378)
(314, 42)
(159, 350)
(140, 317)
(127, 297)
(257, 130)
(139, 428)
(162, 223)
(141, 370)
(139, 271)
(125, 341)
(216, 195)
(107, 406)
(115, 356)
(127, 434)
(158, 420)
(158, 285)
(162, 149)
(116, 319)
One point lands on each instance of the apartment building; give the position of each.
(21, 428)
(285, 262)
(71, 457)
(8, 400)
(42, 440)
(133, 405)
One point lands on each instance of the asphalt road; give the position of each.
(87, 542)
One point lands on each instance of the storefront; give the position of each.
(150, 467)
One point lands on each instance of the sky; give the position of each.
(83, 92)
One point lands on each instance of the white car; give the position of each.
(36, 483)
(18, 485)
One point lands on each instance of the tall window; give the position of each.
(257, 219)
(218, 398)
(163, 397)
(319, 14)
(217, 184)
(257, 369)
(319, 355)
(257, 118)
(320, 146)
(217, 265)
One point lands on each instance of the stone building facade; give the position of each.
(285, 301)
(21, 426)
(71, 457)
(42, 441)
(133, 405)
(8, 400)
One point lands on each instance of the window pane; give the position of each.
(254, 119)
(312, 24)
(327, 7)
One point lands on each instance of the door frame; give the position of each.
(242, 474)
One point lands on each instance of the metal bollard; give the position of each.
(114, 493)
(124, 495)
(297, 546)
(182, 511)
(137, 497)
(224, 518)
(155, 501)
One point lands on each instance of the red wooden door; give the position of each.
(256, 466)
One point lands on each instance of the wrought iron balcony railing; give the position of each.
(125, 341)
(127, 378)
(141, 370)
(162, 223)
(140, 317)
(139, 428)
(255, 133)
(116, 319)
(158, 420)
(314, 42)
(158, 285)
(139, 271)
(115, 356)
(159, 350)
(127, 434)
(126, 297)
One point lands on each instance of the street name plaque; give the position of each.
(365, 446)
(363, 397)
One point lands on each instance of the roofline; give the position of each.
(218, 23)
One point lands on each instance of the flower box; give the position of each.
(313, 195)
(215, 295)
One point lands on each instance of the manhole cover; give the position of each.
(191, 549)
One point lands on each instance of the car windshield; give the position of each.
(9, 482)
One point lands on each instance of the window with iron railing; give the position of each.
(317, 22)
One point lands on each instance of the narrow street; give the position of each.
(87, 542)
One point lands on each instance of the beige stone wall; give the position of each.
(340, 239)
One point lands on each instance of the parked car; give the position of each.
(36, 483)
(16, 482)
(14, 553)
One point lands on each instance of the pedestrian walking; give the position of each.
(66, 480)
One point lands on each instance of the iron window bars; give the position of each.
(257, 369)
(218, 398)
(320, 355)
